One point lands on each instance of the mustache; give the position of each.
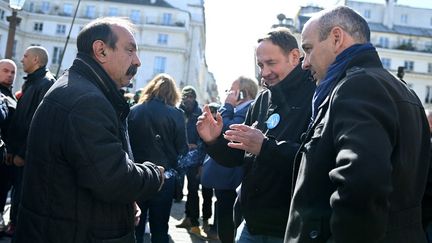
(132, 70)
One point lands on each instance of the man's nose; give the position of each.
(305, 64)
(265, 71)
(136, 60)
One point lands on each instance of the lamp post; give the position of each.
(14, 20)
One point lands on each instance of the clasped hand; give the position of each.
(245, 137)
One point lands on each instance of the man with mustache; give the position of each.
(81, 182)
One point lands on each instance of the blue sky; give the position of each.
(232, 28)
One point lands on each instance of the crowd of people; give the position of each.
(330, 147)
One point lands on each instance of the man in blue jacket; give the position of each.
(225, 180)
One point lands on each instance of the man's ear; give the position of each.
(337, 33)
(295, 56)
(99, 52)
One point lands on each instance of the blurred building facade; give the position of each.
(170, 36)
(401, 34)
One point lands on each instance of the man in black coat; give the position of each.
(267, 141)
(364, 162)
(8, 101)
(80, 182)
(37, 82)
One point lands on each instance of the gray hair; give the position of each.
(347, 19)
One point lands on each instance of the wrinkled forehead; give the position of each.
(123, 34)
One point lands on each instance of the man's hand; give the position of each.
(18, 161)
(9, 159)
(209, 129)
(162, 171)
(245, 137)
(137, 213)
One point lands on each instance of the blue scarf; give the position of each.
(335, 69)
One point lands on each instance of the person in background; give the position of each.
(8, 101)
(223, 179)
(192, 211)
(37, 82)
(157, 133)
(80, 181)
(364, 161)
(266, 143)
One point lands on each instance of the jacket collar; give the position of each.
(289, 84)
(85, 65)
(36, 75)
(365, 60)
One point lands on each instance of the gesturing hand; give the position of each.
(208, 128)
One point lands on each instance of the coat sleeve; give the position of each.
(220, 152)
(230, 117)
(180, 138)
(363, 128)
(95, 149)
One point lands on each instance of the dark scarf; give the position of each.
(334, 71)
(88, 67)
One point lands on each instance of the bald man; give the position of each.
(37, 82)
(7, 77)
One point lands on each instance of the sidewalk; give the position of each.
(178, 235)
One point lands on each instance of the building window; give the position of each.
(428, 97)
(386, 62)
(61, 29)
(159, 65)
(31, 7)
(384, 42)
(404, 18)
(429, 67)
(162, 39)
(38, 26)
(409, 66)
(57, 55)
(2, 14)
(67, 9)
(45, 8)
(135, 16)
(90, 11)
(367, 13)
(113, 12)
(166, 19)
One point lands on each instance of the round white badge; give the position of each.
(273, 121)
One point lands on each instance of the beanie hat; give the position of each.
(189, 91)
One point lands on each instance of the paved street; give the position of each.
(178, 235)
